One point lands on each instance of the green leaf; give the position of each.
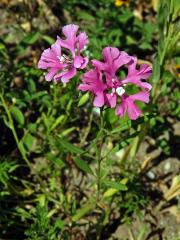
(28, 140)
(21, 148)
(61, 119)
(83, 211)
(67, 132)
(116, 185)
(82, 165)
(85, 16)
(110, 192)
(68, 146)
(32, 38)
(123, 126)
(59, 162)
(48, 39)
(17, 114)
(84, 98)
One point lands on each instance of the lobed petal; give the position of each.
(99, 99)
(51, 74)
(136, 76)
(111, 100)
(99, 65)
(133, 111)
(114, 59)
(121, 109)
(82, 41)
(66, 75)
(145, 71)
(70, 34)
(141, 96)
(85, 62)
(50, 57)
(78, 61)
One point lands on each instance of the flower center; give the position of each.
(116, 89)
(120, 91)
(64, 59)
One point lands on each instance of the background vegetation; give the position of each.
(48, 132)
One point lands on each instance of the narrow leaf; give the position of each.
(82, 165)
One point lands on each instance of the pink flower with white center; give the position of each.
(61, 66)
(111, 92)
(113, 60)
(51, 59)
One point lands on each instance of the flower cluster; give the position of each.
(102, 81)
(64, 66)
(110, 90)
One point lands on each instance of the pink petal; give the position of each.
(133, 111)
(82, 40)
(114, 59)
(97, 64)
(51, 74)
(136, 81)
(111, 99)
(65, 76)
(93, 79)
(123, 59)
(145, 85)
(70, 31)
(145, 71)
(141, 96)
(56, 47)
(70, 41)
(132, 66)
(85, 62)
(99, 100)
(121, 109)
(110, 54)
(78, 61)
(50, 57)
(83, 87)
(136, 76)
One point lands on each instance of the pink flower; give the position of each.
(61, 66)
(50, 59)
(111, 91)
(113, 60)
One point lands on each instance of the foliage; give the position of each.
(49, 132)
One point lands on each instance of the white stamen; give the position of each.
(113, 91)
(61, 58)
(120, 91)
(113, 80)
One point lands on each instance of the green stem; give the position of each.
(13, 129)
(99, 158)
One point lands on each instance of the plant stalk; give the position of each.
(13, 129)
(99, 157)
